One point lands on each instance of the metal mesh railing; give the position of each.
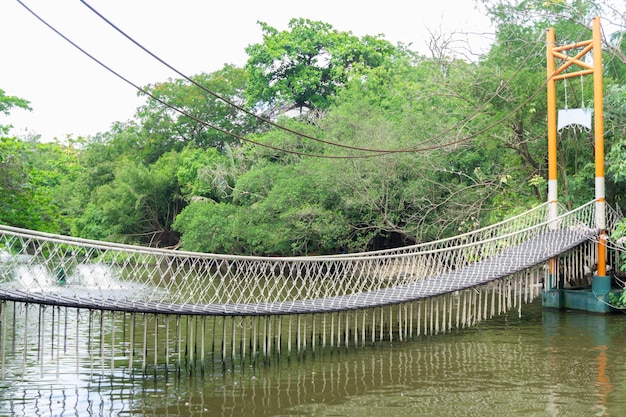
(52, 269)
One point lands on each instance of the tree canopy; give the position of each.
(304, 66)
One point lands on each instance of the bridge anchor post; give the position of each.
(601, 286)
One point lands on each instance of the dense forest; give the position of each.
(325, 142)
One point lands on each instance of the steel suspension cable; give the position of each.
(181, 111)
(380, 152)
(300, 134)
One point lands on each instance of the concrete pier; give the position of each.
(594, 299)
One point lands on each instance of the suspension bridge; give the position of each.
(164, 308)
(139, 308)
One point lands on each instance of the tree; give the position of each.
(138, 206)
(7, 103)
(16, 188)
(15, 195)
(56, 174)
(209, 174)
(289, 210)
(445, 174)
(276, 209)
(207, 226)
(13, 172)
(168, 129)
(303, 67)
(37, 188)
(615, 127)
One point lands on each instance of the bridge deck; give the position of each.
(539, 249)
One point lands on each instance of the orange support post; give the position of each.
(554, 74)
(553, 208)
(599, 145)
(552, 149)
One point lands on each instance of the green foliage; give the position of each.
(56, 179)
(15, 189)
(194, 177)
(286, 148)
(305, 66)
(296, 216)
(171, 130)
(37, 184)
(618, 300)
(288, 210)
(404, 198)
(618, 235)
(615, 112)
(519, 53)
(256, 184)
(92, 224)
(208, 227)
(138, 205)
(277, 210)
(7, 103)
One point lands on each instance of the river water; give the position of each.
(544, 363)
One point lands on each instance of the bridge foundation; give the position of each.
(594, 299)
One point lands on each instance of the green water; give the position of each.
(542, 364)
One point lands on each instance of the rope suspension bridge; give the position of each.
(139, 309)
(163, 308)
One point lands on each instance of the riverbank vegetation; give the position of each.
(326, 142)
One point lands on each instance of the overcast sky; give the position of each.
(70, 94)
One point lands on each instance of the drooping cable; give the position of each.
(374, 152)
(219, 96)
(300, 134)
(181, 111)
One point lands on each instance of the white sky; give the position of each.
(71, 94)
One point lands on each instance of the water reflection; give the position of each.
(542, 364)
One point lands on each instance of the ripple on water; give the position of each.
(542, 364)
